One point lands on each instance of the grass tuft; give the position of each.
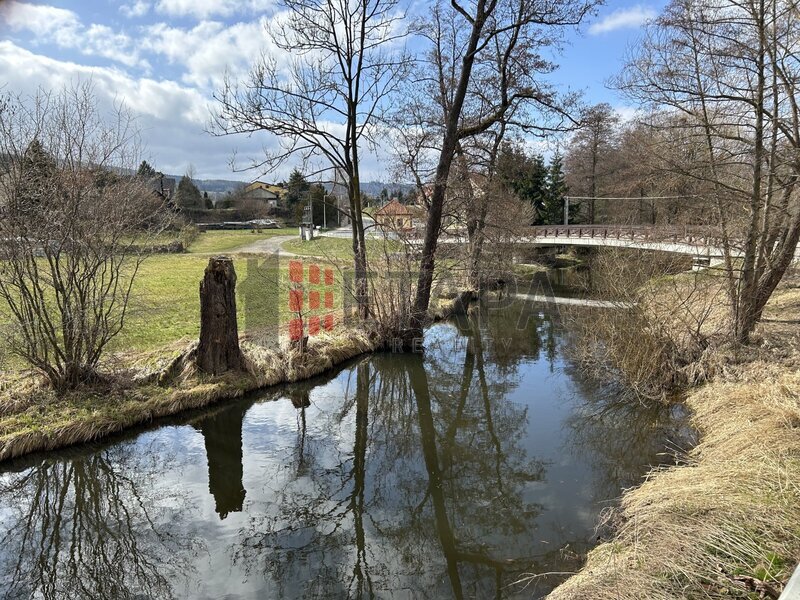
(726, 524)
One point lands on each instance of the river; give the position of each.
(456, 475)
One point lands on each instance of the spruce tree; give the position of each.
(188, 195)
(557, 189)
(525, 176)
(38, 182)
(296, 191)
(145, 171)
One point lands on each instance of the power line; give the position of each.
(632, 197)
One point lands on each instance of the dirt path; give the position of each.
(268, 245)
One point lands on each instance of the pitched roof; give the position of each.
(393, 208)
(263, 185)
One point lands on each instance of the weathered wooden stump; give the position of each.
(218, 351)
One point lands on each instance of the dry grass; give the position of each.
(726, 524)
(673, 336)
(32, 418)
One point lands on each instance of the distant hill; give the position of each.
(222, 186)
(374, 188)
(219, 186)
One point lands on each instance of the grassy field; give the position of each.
(165, 305)
(210, 242)
(165, 309)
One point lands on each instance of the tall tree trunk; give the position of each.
(359, 252)
(449, 145)
(593, 186)
(747, 311)
(475, 231)
(359, 239)
(218, 351)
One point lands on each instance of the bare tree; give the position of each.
(489, 213)
(591, 153)
(326, 101)
(483, 66)
(729, 72)
(74, 228)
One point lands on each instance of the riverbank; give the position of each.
(33, 419)
(726, 523)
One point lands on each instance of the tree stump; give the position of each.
(218, 351)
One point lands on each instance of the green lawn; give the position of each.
(165, 305)
(210, 242)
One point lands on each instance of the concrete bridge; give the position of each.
(703, 244)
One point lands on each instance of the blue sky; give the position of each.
(164, 58)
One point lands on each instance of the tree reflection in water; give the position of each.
(623, 436)
(81, 527)
(405, 477)
(416, 483)
(222, 434)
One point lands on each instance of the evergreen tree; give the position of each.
(38, 182)
(188, 195)
(553, 213)
(525, 176)
(207, 201)
(145, 171)
(296, 189)
(296, 196)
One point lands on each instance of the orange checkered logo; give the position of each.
(316, 300)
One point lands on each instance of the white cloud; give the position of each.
(171, 116)
(208, 49)
(623, 18)
(202, 9)
(137, 9)
(64, 28)
(627, 113)
(167, 100)
(43, 20)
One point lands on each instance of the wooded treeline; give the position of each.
(714, 142)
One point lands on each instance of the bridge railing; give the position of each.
(689, 234)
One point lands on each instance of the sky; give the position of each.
(165, 58)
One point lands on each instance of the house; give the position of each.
(162, 186)
(395, 216)
(167, 187)
(266, 192)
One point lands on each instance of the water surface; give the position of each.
(448, 476)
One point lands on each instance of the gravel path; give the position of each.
(269, 245)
